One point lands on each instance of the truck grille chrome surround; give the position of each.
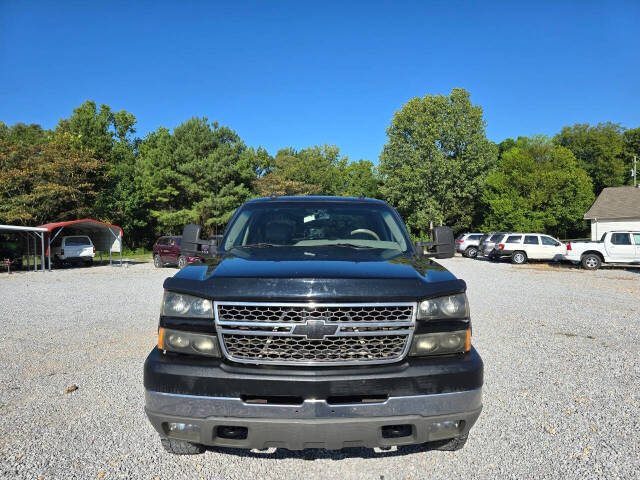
(315, 334)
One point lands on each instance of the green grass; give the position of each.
(137, 254)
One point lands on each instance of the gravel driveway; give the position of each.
(561, 400)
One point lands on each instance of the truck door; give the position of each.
(619, 247)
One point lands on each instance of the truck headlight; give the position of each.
(441, 343)
(181, 305)
(451, 306)
(188, 342)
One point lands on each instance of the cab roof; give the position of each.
(317, 198)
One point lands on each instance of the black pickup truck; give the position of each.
(314, 323)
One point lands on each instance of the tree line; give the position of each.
(437, 167)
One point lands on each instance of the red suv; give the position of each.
(167, 251)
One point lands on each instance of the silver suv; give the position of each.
(467, 244)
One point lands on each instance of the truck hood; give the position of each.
(312, 276)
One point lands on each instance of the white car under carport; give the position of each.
(105, 237)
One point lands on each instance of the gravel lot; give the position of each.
(562, 382)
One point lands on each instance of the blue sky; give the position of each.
(301, 73)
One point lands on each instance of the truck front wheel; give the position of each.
(591, 261)
(181, 447)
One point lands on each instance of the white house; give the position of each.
(616, 208)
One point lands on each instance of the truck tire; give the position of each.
(451, 445)
(591, 261)
(471, 252)
(157, 262)
(181, 447)
(182, 262)
(519, 258)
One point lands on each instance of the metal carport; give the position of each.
(30, 232)
(105, 237)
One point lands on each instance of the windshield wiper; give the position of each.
(258, 245)
(349, 245)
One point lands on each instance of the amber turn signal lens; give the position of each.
(161, 338)
(467, 345)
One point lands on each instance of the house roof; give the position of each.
(616, 202)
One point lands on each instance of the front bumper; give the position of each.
(317, 423)
(211, 377)
(421, 394)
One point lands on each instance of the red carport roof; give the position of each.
(51, 226)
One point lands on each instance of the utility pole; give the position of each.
(634, 170)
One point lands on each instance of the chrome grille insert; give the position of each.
(314, 334)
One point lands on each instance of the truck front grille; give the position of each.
(314, 334)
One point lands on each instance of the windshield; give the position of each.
(315, 224)
(77, 241)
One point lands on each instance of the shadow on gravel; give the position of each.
(322, 454)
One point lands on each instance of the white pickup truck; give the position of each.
(613, 247)
(76, 248)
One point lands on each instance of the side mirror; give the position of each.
(215, 240)
(191, 239)
(442, 246)
(193, 246)
(211, 247)
(443, 242)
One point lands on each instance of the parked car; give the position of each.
(73, 249)
(467, 244)
(168, 251)
(315, 324)
(489, 243)
(521, 247)
(613, 247)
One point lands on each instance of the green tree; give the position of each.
(505, 145)
(631, 148)
(46, 182)
(538, 187)
(199, 173)
(317, 170)
(434, 164)
(108, 137)
(25, 135)
(362, 179)
(599, 149)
